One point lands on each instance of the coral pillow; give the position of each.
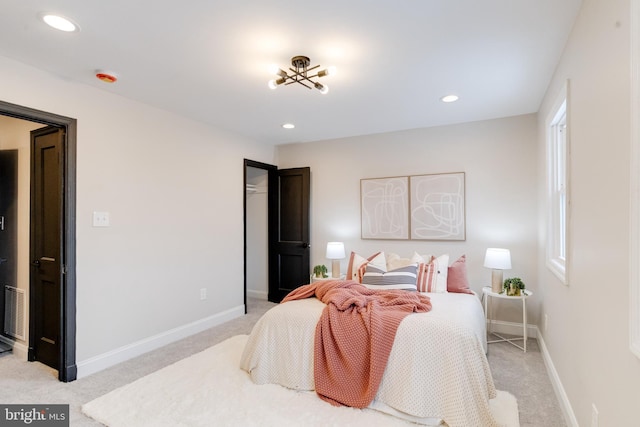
(457, 277)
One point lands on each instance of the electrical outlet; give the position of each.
(203, 294)
(594, 415)
(101, 219)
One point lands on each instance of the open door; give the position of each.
(47, 269)
(289, 248)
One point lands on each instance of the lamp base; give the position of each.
(496, 281)
(335, 268)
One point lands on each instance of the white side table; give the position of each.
(315, 279)
(488, 294)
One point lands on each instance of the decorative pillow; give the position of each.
(394, 261)
(457, 280)
(358, 264)
(432, 272)
(402, 278)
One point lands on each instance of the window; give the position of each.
(634, 312)
(558, 196)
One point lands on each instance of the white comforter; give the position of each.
(437, 370)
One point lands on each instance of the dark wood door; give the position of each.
(46, 245)
(8, 223)
(289, 226)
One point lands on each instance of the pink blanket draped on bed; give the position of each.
(354, 336)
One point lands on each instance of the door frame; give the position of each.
(67, 371)
(271, 195)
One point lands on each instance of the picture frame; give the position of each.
(437, 206)
(384, 208)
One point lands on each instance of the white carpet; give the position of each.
(209, 389)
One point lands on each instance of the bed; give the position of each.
(437, 372)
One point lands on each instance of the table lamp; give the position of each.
(497, 259)
(335, 252)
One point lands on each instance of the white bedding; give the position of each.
(437, 370)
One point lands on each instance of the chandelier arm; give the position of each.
(304, 77)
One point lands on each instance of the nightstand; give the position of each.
(488, 294)
(315, 279)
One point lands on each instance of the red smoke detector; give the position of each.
(106, 76)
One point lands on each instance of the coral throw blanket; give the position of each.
(354, 336)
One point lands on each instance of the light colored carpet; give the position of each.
(209, 388)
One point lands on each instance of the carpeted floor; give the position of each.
(522, 375)
(208, 389)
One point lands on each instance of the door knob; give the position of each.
(306, 245)
(36, 263)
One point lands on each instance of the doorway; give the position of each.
(257, 204)
(65, 327)
(287, 249)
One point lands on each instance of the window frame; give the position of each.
(558, 186)
(634, 196)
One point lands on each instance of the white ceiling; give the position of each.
(209, 59)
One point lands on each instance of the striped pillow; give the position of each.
(358, 265)
(401, 278)
(432, 272)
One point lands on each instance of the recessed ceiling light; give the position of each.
(60, 23)
(449, 98)
(288, 126)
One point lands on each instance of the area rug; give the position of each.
(209, 389)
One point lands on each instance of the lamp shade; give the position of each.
(335, 250)
(498, 259)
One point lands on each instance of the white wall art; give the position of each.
(384, 208)
(437, 207)
(419, 207)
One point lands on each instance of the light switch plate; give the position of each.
(101, 219)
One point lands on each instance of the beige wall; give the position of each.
(174, 191)
(588, 320)
(499, 161)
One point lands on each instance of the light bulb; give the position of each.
(331, 71)
(273, 69)
(272, 84)
(322, 88)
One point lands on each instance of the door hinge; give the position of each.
(64, 269)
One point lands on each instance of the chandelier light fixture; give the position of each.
(300, 73)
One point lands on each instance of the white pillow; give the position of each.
(394, 262)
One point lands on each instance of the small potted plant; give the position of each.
(320, 271)
(514, 286)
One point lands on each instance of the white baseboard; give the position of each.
(18, 348)
(512, 328)
(257, 294)
(565, 405)
(113, 357)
